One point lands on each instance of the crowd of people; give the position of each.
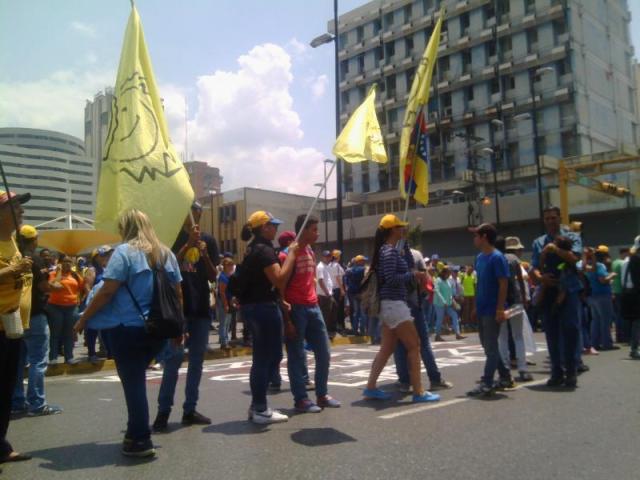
(284, 296)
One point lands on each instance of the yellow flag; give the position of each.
(414, 170)
(140, 168)
(361, 138)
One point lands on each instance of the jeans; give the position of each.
(585, 325)
(265, 322)
(9, 358)
(429, 360)
(518, 340)
(172, 357)
(61, 322)
(91, 337)
(310, 327)
(561, 327)
(489, 330)
(468, 306)
(329, 311)
(133, 350)
(602, 314)
(35, 351)
(224, 320)
(429, 314)
(339, 314)
(358, 318)
(440, 313)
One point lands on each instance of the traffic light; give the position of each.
(613, 189)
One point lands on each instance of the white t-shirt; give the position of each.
(418, 260)
(336, 272)
(322, 273)
(626, 282)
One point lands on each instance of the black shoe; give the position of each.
(505, 384)
(571, 381)
(612, 347)
(195, 418)
(275, 388)
(139, 449)
(582, 368)
(160, 424)
(555, 382)
(524, 377)
(481, 390)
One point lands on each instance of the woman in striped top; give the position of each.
(397, 324)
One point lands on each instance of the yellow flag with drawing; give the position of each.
(140, 168)
(361, 138)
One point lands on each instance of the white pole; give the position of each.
(315, 201)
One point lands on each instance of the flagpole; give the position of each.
(315, 201)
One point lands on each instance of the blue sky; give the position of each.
(57, 54)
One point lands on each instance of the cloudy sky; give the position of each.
(260, 100)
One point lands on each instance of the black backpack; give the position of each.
(165, 319)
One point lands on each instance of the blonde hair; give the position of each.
(136, 230)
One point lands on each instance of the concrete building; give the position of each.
(514, 78)
(224, 214)
(97, 113)
(205, 179)
(53, 167)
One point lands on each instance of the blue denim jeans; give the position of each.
(428, 358)
(133, 350)
(602, 314)
(428, 313)
(91, 337)
(172, 357)
(265, 322)
(61, 322)
(561, 327)
(358, 318)
(35, 352)
(489, 332)
(310, 327)
(440, 313)
(224, 320)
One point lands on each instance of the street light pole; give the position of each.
(339, 231)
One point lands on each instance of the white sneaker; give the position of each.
(267, 417)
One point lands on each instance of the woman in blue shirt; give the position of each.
(113, 310)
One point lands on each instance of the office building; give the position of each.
(205, 180)
(97, 113)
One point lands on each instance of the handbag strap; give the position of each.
(135, 302)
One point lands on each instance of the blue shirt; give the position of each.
(593, 276)
(393, 274)
(354, 277)
(129, 265)
(571, 280)
(490, 269)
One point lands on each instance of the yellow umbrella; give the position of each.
(73, 242)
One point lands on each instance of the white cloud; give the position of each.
(55, 102)
(319, 86)
(296, 48)
(84, 29)
(246, 124)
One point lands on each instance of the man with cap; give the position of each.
(15, 306)
(324, 290)
(336, 272)
(197, 254)
(353, 279)
(561, 326)
(35, 343)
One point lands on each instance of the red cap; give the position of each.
(285, 239)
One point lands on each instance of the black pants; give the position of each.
(9, 358)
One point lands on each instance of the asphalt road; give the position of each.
(530, 433)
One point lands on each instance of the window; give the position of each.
(541, 143)
(87, 127)
(408, 45)
(464, 23)
(494, 86)
(104, 118)
(391, 86)
(449, 167)
(489, 11)
(377, 26)
(532, 39)
(514, 155)
(505, 47)
(427, 5)
(378, 55)
(504, 8)
(409, 77)
(469, 94)
(394, 152)
(362, 92)
(360, 60)
(342, 40)
(393, 118)
(388, 19)
(491, 50)
(407, 11)
(530, 6)
(563, 67)
(344, 68)
(444, 67)
(508, 82)
(359, 33)
(390, 49)
(365, 182)
(344, 101)
(569, 148)
(466, 61)
(446, 100)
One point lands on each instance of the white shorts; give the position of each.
(394, 312)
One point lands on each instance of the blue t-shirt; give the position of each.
(354, 277)
(570, 279)
(224, 279)
(597, 288)
(129, 265)
(490, 269)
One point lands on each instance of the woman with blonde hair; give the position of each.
(393, 274)
(113, 309)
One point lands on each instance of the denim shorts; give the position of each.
(394, 312)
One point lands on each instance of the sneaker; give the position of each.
(582, 368)
(482, 390)
(161, 423)
(426, 397)
(403, 387)
(307, 406)
(505, 384)
(460, 337)
(375, 394)
(439, 339)
(441, 385)
(590, 351)
(72, 361)
(266, 417)
(328, 402)
(571, 381)
(46, 410)
(524, 377)
(195, 418)
(310, 385)
(139, 449)
(274, 387)
(94, 359)
(555, 382)
(156, 367)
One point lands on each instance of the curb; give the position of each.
(84, 368)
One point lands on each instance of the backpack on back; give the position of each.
(369, 294)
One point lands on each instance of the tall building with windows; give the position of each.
(53, 167)
(205, 180)
(97, 113)
(514, 79)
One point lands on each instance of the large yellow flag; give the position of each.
(140, 168)
(414, 168)
(361, 138)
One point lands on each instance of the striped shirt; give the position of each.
(393, 274)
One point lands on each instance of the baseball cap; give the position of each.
(360, 258)
(326, 253)
(435, 256)
(286, 238)
(20, 197)
(260, 218)
(336, 254)
(102, 251)
(391, 221)
(29, 232)
(602, 249)
(513, 243)
(487, 230)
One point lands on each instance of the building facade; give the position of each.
(514, 79)
(97, 113)
(53, 167)
(205, 180)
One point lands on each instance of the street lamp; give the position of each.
(490, 152)
(316, 42)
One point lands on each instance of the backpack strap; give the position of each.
(135, 302)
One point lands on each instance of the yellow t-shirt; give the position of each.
(14, 293)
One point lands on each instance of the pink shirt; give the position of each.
(301, 289)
